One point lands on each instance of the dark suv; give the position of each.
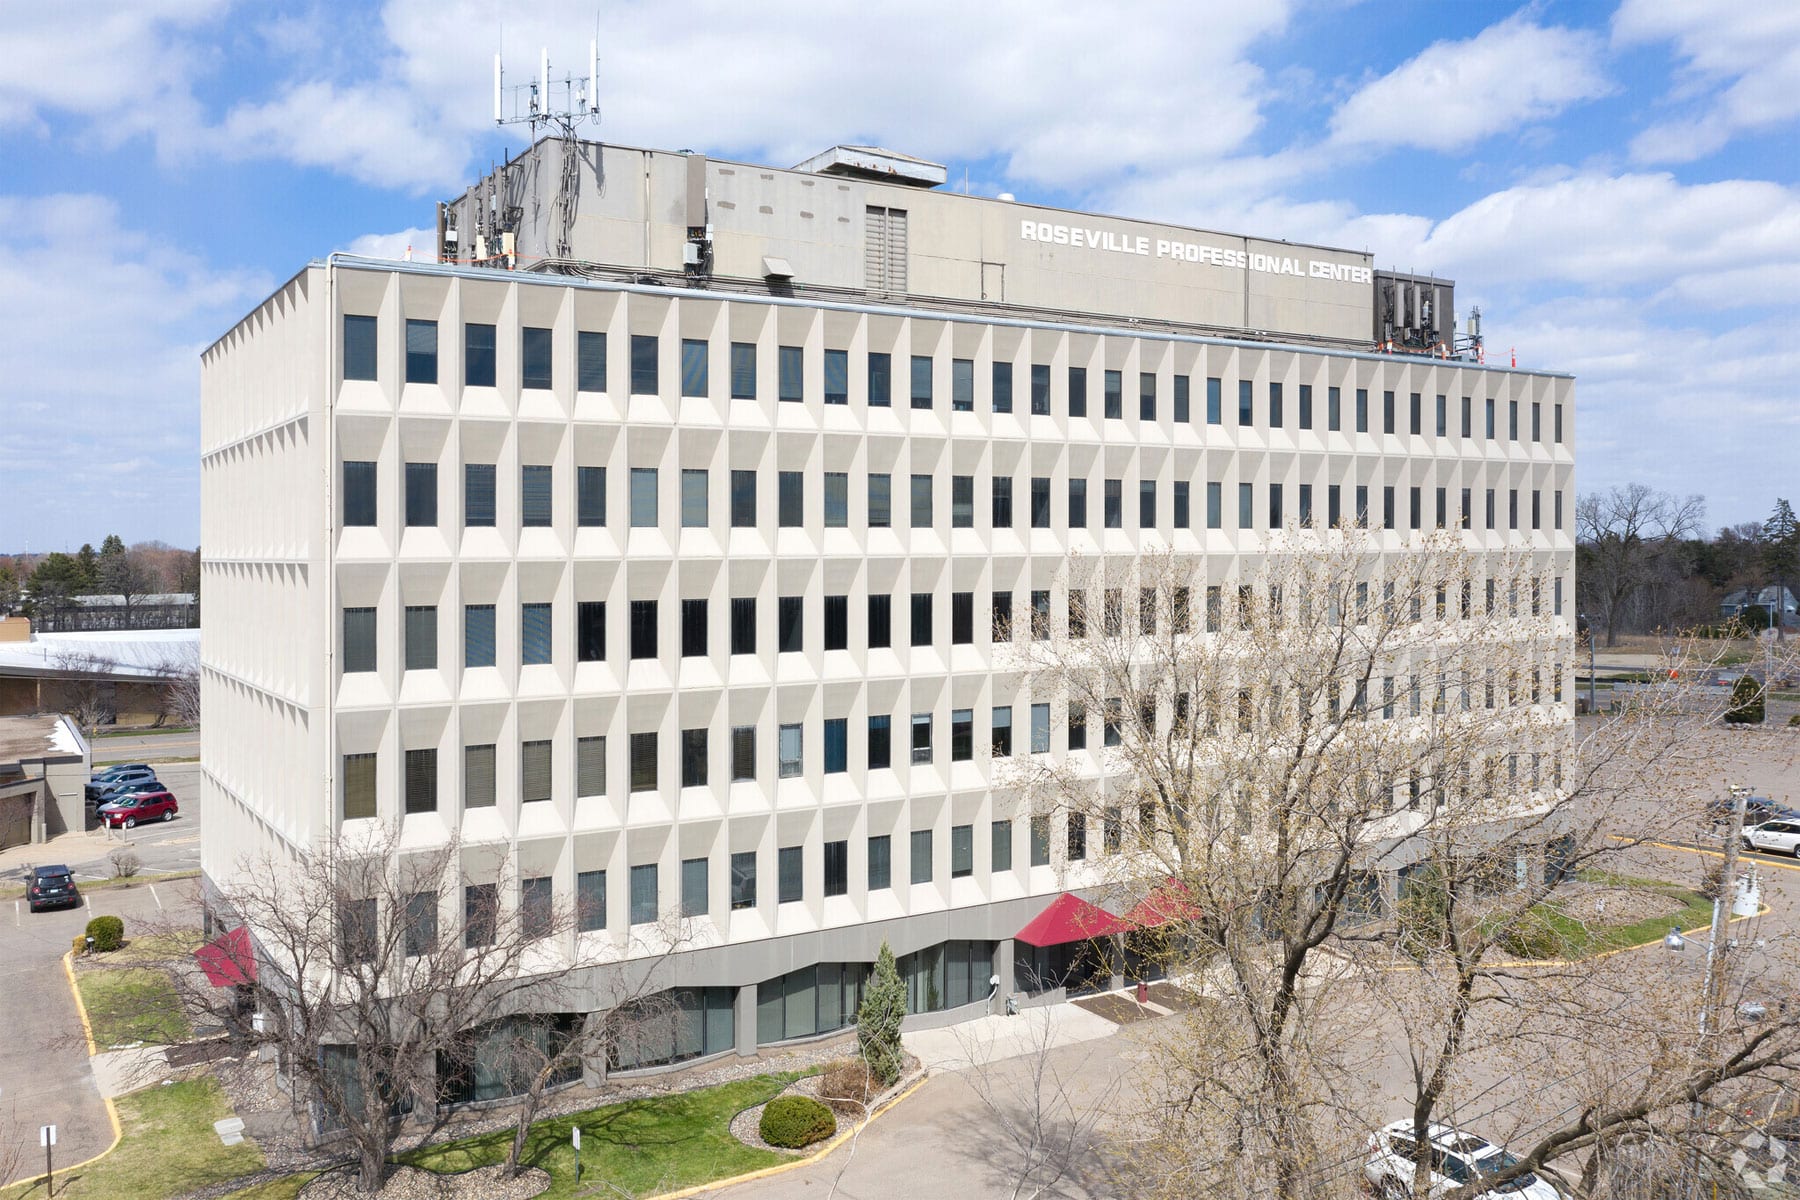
(51, 887)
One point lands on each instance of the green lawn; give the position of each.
(168, 1149)
(640, 1146)
(146, 731)
(132, 1004)
(168, 946)
(1578, 939)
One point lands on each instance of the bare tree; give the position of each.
(83, 687)
(131, 573)
(1047, 1105)
(1626, 535)
(529, 1054)
(1275, 752)
(371, 961)
(13, 1146)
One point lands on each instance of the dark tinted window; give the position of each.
(534, 358)
(643, 364)
(421, 351)
(590, 362)
(478, 355)
(359, 493)
(359, 347)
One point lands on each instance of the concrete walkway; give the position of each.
(991, 1039)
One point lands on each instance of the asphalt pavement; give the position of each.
(46, 1077)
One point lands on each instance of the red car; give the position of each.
(137, 808)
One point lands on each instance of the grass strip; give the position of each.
(132, 1004)
(169, 1148)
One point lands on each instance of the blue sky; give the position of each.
(1614, 185)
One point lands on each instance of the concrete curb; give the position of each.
(700, 1189)
(112, 1113)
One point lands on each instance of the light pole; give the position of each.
(1588, 625)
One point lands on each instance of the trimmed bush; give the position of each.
(1532, 937)
(1746, 704)
(796, 1121)
(108, 932)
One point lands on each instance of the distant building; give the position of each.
(104, 677)
(44, 764)
(1736, 602)
(158, 610)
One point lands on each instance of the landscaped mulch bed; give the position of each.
(746, 1127)
(410, 1183)
(1623, 904)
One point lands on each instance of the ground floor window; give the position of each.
(675, 1025)
(816, 999)
(502, 1057)
(948, 975)
(1079, 967)
(343, 1088)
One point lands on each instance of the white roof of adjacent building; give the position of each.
(121, 653)
(49, 736)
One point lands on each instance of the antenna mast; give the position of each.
(576, 102)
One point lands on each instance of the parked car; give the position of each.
(119, 791)
(137, 774)
(1456, 1158)
(137, 808)
(1757, 811)
(1775, 837)
(51, 887)
(116, 770)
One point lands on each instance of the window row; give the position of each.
(1385, 698)
(1436, 508)
(1007, 614)
(1032, 383)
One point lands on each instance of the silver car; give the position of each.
(1456, 1159)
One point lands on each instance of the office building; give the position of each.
(663, 531)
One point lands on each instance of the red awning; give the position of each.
(229, 960)
(1069, 918)
(1169, 902)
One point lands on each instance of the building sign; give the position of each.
(1142, 245)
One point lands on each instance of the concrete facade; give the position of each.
(44, 768)
(748, 455)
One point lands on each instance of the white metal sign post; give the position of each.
(575, 1136)
(47, 1139)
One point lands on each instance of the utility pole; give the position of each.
(1712, 988)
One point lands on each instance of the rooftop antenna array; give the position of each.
(554, 107)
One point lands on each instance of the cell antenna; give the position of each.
(554, 108)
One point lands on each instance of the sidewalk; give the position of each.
(72, 849)
(990, 1039)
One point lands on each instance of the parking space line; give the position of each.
(15, 914)
(156, 898)
(1742, 857)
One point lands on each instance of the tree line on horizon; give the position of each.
(39, 583)
(1643, 562)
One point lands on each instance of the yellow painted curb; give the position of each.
(1760, 862)
(112, 1114)
(779, 1168)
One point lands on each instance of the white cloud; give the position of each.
(421, 243)
(1647, 233)
(1065, 97)
(1741, 72)
(1677, 406)
(1452, 94)
(127, 64)
(103, 379)
(378, 133)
